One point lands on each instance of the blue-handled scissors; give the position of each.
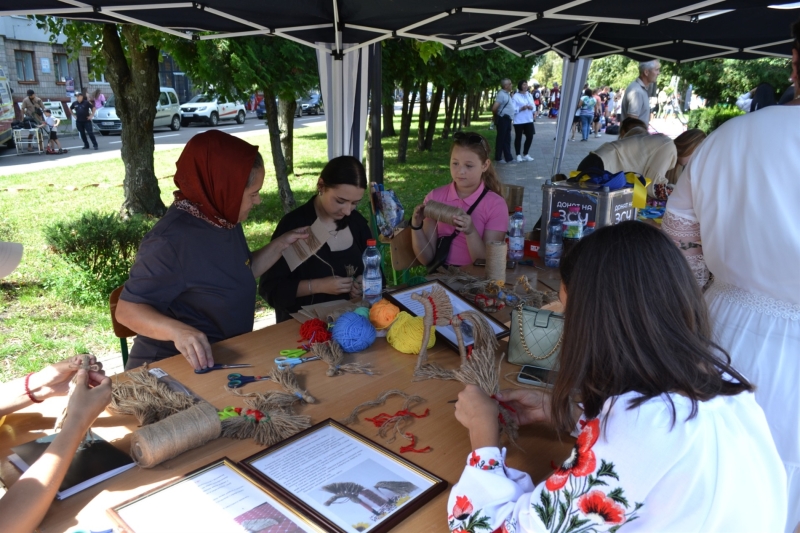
(237, 380)
(283, 362)
(219, 367)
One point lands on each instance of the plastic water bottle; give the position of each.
(516, 235)
(372, 278)
(553, 246)
(588, 230)
(573, 228)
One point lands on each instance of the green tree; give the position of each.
(614, 71)
(129, 56)
(282, 69)
(550, 69)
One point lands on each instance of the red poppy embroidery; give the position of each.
(598, 504)
(463, 508)
(474, 459)
(582, 460)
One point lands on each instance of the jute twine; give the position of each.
(438, 312)
(482, 332)
(496, 261)
(442, 212)
(286, 378)
(146, 398)
(152, 445)
(393, 426)
(84, 364)
(332, 353)
(265, 424)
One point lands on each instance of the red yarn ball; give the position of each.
(315, 328)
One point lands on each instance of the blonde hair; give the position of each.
(688, 141)
(482, 150)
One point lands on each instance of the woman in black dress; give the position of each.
(323, 278)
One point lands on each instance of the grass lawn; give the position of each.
(38, 325)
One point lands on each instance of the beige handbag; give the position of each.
(535, 337)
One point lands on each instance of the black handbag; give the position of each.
(443, 243)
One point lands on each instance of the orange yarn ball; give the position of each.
(383, 313)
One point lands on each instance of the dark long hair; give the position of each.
(763, 97)
(635, 321)
(343, 170)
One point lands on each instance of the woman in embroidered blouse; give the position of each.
(669, 435)
(744, 231)
(474, 180)
(193, 282)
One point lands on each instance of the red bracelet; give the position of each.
(28, 389)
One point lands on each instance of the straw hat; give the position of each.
(10, 256)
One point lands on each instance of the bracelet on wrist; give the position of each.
(310, 292)
(28, 389)
(415, 228)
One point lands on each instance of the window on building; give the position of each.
(94, 78)
(61, 62)
(24, 60)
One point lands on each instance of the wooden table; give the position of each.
(335, 396)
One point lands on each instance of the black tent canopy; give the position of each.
(675, 30)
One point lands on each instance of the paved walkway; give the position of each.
(532, 174)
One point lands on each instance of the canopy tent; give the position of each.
(672, 30)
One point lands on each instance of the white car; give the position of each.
(167, 113)
(210, 110)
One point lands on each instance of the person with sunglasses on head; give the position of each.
(476, 190)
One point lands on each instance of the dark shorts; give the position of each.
(53, 135)
(576, 119)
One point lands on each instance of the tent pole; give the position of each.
(575, 74)
(337, 109)
(376, 90)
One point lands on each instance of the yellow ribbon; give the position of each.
(639, 188)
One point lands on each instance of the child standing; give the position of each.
(50, 124)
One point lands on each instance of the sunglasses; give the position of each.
(470, 139)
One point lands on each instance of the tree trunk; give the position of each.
(409, 95)
(468, 110)
(278, 161)
(434, 116)
(286, 110)
(388, 118)
(136, 88)
(476, 110)
(448, 115)
(423, 115)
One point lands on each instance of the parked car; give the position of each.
(311, 105)
(168, 113)
(261, 110)
(210, 110)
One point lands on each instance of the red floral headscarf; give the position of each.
(212, 175)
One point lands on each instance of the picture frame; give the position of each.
(347, 483)
(220, 496)
(402, 299)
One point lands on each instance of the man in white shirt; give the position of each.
(503, 110)
(636, 102)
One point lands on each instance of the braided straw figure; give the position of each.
(286, 378)
(263, 423)
(332, 353)
(349, 491)
(438, 312)
(393, 426)
(146, 398)
(270, 399)
(482, 370)
(400, 488)
(482, 333)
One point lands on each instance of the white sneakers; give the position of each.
(521, 158)
(528, 158)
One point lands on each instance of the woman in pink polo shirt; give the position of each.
(475, 188)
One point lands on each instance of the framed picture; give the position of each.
(344, 480)
(402, 298)
(219, 497)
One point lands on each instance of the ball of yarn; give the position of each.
(406, 332)
(316, 329)
(383, 313)
(353, 332)
(363, 311)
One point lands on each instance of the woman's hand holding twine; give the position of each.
(357, 290)
(91, 396)
(477, 412)
(333, 285)
(54, 380)
(419, 216)
(290, 237)
(463, 223)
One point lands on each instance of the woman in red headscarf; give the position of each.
(194, 279)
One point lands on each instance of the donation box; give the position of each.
(597, 203)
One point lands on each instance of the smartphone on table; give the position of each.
(537, 376)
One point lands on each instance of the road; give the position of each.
(109, 146)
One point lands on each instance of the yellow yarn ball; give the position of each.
(383, 313)
(406, 332)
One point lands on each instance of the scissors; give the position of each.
(218, 367)
(237, 380)
(291, 354)
(283, 362)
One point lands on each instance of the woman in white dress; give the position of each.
(735, 213)
(524, 108)
(670, 438)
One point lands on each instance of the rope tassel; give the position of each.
(332, 353)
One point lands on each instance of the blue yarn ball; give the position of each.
(353, 332)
